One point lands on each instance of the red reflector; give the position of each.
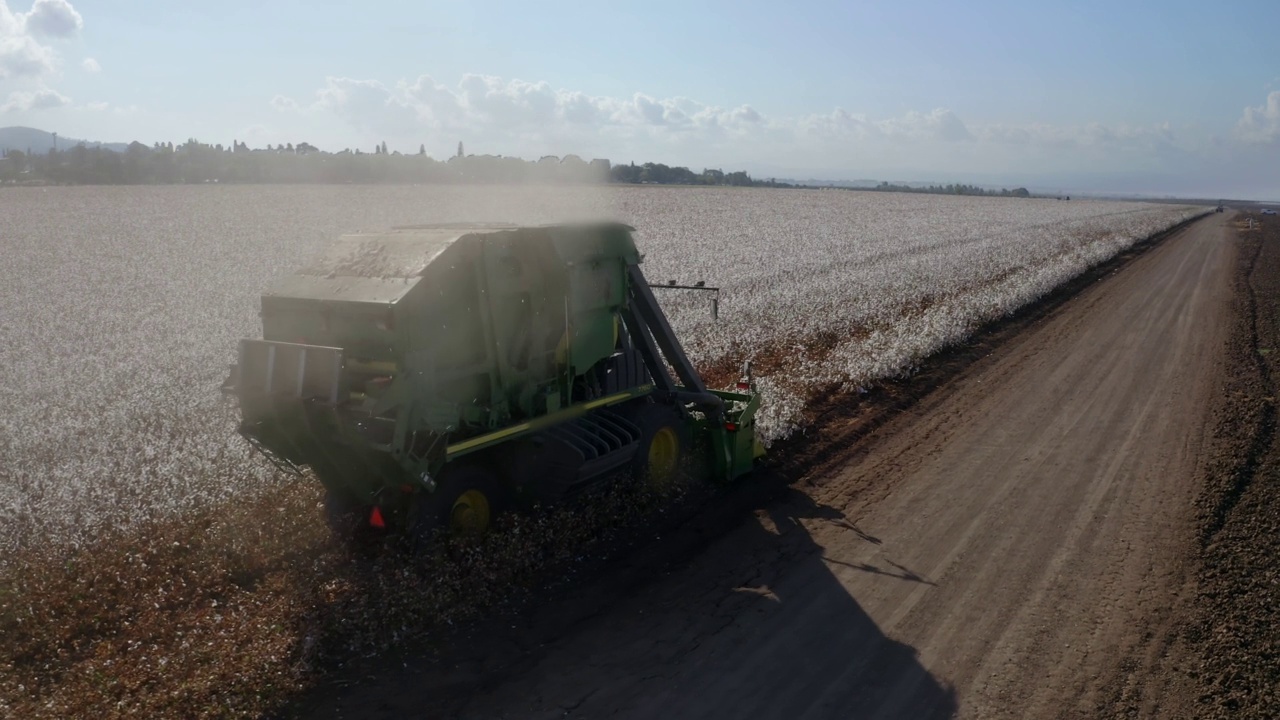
(731, 427)
(744, 386)
(375, 518)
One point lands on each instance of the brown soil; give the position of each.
(1234, 633)
(1014, 532)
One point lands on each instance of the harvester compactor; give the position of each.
(432, 376)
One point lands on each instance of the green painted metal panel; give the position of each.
(448, 334)
(374, 291)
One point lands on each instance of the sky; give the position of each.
(1169, 98)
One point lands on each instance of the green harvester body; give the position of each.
(535, 352)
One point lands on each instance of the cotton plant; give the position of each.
(120, 308)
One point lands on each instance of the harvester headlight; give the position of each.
(428, 483)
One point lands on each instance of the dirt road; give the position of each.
(1011, 546)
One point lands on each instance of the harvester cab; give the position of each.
(432, 375)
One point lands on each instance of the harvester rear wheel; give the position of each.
(466, 503)
(663, 443)
(342, 513)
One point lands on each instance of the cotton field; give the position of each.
(120, 307)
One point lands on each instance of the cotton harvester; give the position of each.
(432, 376)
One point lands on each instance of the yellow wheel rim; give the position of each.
(664, 454)
(470, 513)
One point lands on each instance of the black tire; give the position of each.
(659, 461)
(466, 502)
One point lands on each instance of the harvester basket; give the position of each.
(291, 370)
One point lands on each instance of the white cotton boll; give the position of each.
(131, 300)
(780, 410)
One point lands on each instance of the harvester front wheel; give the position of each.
(466, 502)
(663, 441)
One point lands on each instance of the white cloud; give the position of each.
(941, 124)
(530, 119)
(42, 99)
(506, 104)
(282, 103)
(90, 65)
(372, 106)
(524, 117)
(1261, 124)
(22, 54)
(534, 118)
(745, 114)
(53, 18)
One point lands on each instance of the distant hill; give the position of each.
(40, 141)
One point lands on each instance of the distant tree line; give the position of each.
(659, 174)
(953, 189)
(196, 162)
(165, 163)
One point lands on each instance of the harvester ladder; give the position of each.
(651, 317)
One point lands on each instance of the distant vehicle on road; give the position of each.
(1268, 212)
